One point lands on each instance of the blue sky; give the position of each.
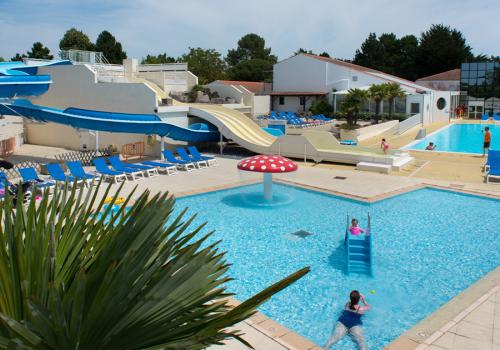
(155, 26)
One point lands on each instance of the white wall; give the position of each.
(225, 90)
(442, 85)
(292, 104)
(76, 86)
(441, 115)
(300, 73)
(261, 105)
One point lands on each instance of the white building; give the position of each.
(300, 80)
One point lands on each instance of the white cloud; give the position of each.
(153, 26)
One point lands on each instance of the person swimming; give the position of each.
(430, 147)
(350, 322)
(355, 230)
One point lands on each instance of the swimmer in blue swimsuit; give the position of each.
(350, 323)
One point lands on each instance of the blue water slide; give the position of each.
(23, 85)
(149, 124)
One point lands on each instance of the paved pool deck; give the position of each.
(469, 321)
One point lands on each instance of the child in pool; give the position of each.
(355, 230)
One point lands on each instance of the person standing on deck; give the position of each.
(486, 141)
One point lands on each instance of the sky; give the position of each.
(156, 26)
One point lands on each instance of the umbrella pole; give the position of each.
(268, 186)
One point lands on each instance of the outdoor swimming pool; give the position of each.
(464, 138)
(429, 245)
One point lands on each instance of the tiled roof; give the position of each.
(252, 86)
(453, 74)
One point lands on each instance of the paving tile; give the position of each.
(496, 336)
(464, 343)
(434, 347)
(445, 341)
(474, 331)
(433, 337)
(480, 318)
(297, 341)
(486, 307)
(273, 328)
(496, 322)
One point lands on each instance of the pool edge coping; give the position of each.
(409, 340)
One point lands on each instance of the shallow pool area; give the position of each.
(428, 245)
(463, 138)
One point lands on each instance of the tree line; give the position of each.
(438, 49)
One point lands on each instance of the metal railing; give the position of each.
(80, 56)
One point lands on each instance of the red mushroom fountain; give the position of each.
(268, 164)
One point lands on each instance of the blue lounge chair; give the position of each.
(181, 151)
(197, 155)
(485, 116)
(183, 164)
(102, 168)
(496, 117)
(169, 169)
(58, 175)
(147, 169)
(30, 175)
(76, 169)
(492, 160)
(493, 172)
(3, 180)
(135, 174)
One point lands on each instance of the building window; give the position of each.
(441, 103)
(414, 108)
(354, 78)
(479, 88)
(302, 100)
(282, 100)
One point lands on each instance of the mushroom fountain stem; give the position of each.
(268, 186)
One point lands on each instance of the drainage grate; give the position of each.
(296, 236)
(340, 178)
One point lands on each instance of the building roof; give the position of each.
(370, 71)
(252, 86)
(453, 74)
(298, 93)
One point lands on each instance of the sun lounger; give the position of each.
(30, 175)
(117, 163)
(183, 164)
(135, 174)
(76, 169)
(485, 116)
(58, 175)
(493, 159)
(197, 155)
(181, 151)
(3, 180)
(169, 169)
(493, 172)
(496, 117)
(102, 168)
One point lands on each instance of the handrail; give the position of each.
(369, 236)
(346, 243)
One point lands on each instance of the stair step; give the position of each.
(356, 256)
(359, 250)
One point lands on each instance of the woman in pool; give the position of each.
(355, 230)
(349, 322)
(384, 145)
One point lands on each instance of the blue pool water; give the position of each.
(465, 138)
(429, 245)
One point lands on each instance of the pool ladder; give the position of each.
(358, 251)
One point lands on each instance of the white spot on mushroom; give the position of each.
(253, 161)
(252, 167)
(283, 168)
(263, 167)
(281, 162)
(261, 162)
(273, 165)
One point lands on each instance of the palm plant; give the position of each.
(351, 105)
(69, 279)
(393, 91)
(378, 93)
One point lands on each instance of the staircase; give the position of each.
(359, 251)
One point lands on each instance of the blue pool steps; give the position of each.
(358, 251)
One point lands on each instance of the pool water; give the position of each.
(464, 138)
(428, 245)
